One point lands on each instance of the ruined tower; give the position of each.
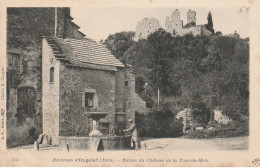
(146, 27)
(191, 17)
(175, 24)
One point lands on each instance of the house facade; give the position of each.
(25, 28)
(81, 76)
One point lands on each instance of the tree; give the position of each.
(138, 55)
(160, 42)
(118, 43)
(209, 26)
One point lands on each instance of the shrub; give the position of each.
(234, 129)
(159, 123)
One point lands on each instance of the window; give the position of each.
(26, 103)
(89, 100)
(26, 100)
(126, 83)
(15, 62)
(51, 74)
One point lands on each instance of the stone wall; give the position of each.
(25, 28)
(175, 24)
(221, 118)
(129, 94)
(119, 90)
(146, 27)
(74, 81)
(140, 105)
(50, 94)
(191, 17)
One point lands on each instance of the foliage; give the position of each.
(232, 130)
(155, 125)
(161, 43)
(139, 54)
(215, 68)
(191, 24)
(209, 26)
(218, 33)
(139, 85)
(200, 111)
(148, 97)
(118, 43)
(15, 142)
(163, 112)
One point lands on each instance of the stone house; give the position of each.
(25, 28)
(80, 76)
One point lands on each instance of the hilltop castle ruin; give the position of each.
(173, 25)
(146, 27)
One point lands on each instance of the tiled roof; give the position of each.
(88, 51)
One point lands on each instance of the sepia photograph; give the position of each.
(110, 85)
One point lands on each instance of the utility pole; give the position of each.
(158, 97)
(158, 92)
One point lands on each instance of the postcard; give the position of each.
(130, 83)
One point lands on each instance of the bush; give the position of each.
(159, 123)
(14, 142)
(234, 129)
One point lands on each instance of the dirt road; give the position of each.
(236, 143)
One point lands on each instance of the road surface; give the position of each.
(235, 143)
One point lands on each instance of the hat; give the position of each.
(130, 120)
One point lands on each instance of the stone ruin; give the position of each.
(146, 27)
(173, 25)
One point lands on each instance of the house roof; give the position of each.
(83, 53)
(92, 52)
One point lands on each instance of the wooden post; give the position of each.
(211, 112)
(158, 97)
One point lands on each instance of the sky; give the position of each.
(98, 23)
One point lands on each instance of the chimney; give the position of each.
(55, 24)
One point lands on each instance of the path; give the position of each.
(236, 143)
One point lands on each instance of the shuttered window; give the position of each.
(15, 62)
(26, 100)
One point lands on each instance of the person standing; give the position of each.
(134, 132)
